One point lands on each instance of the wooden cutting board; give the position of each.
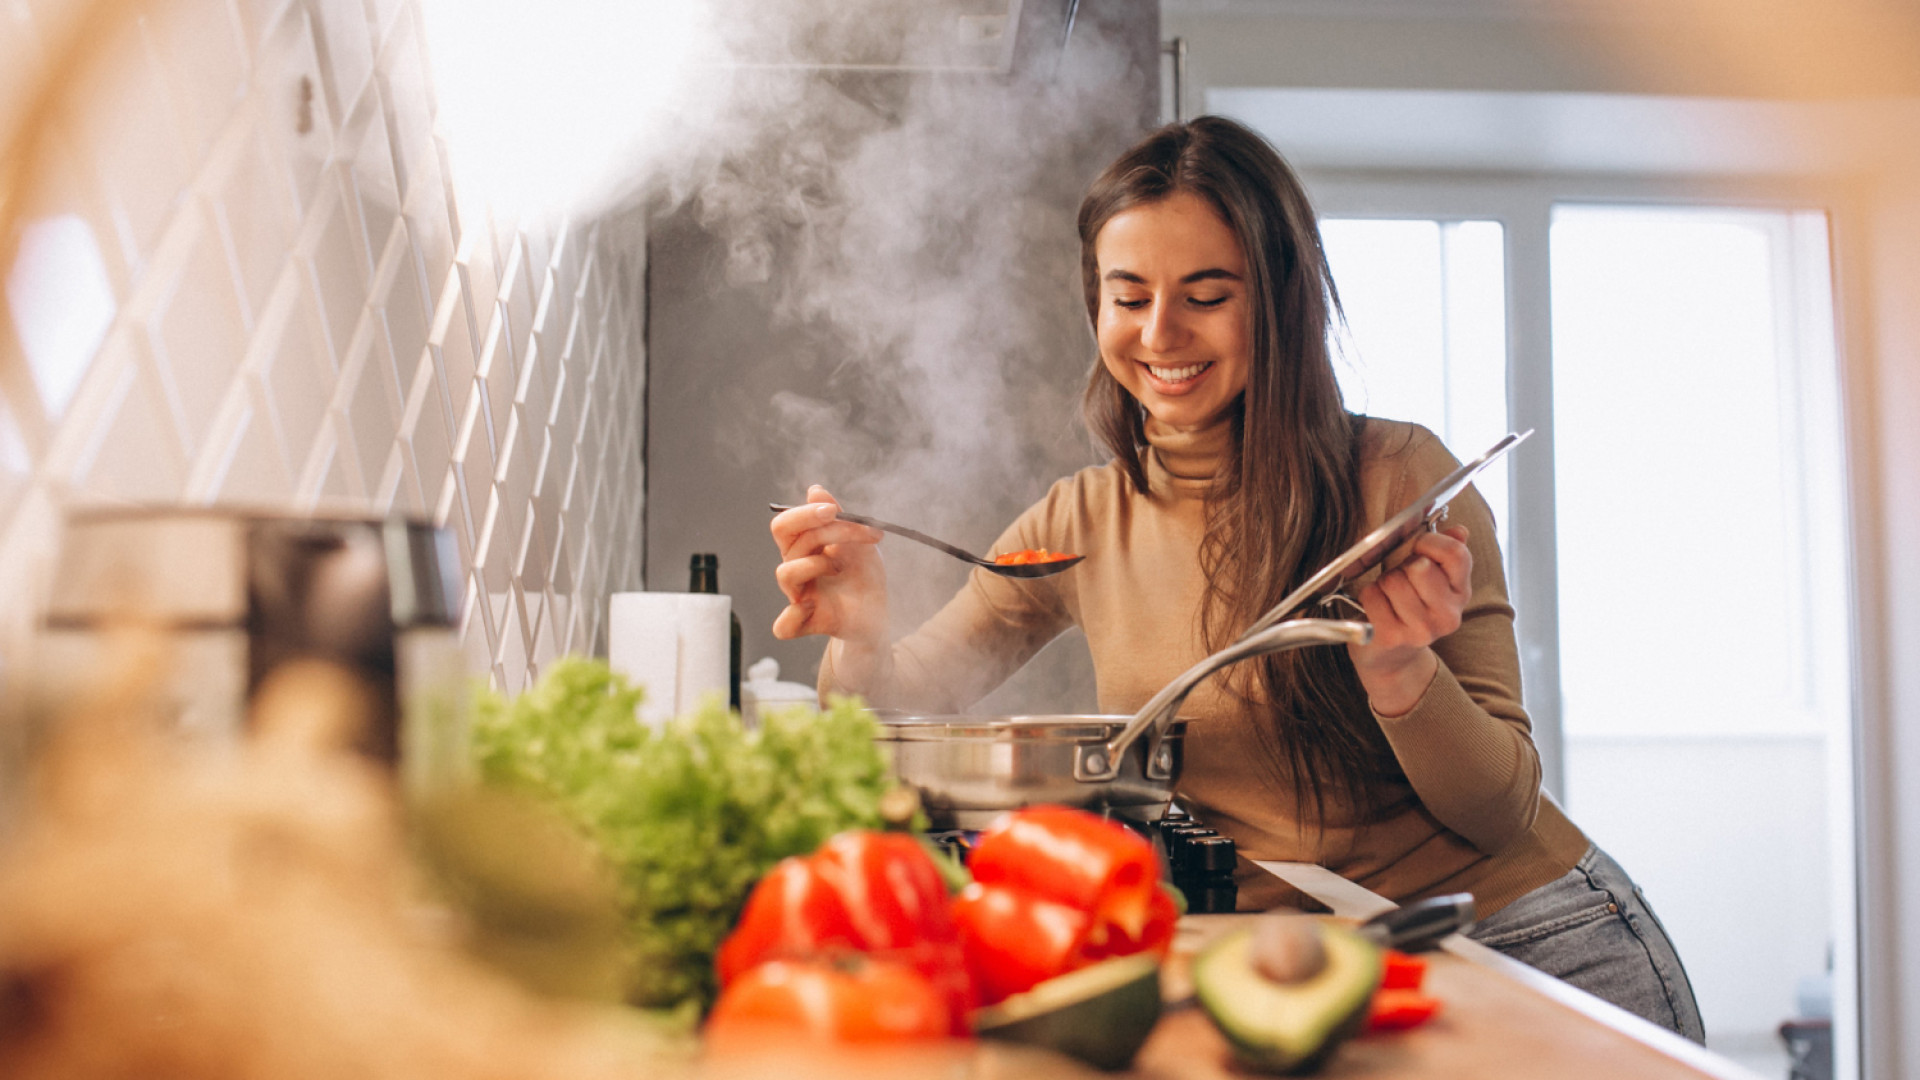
(1498, 1019)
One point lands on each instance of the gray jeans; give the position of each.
(1594, 929)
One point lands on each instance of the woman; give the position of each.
(1407, 764)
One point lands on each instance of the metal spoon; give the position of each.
(1019, 570)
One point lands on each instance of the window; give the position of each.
(1695, 472)
(1681, 529)
(1425, 336)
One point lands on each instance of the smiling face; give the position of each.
(1174, 320)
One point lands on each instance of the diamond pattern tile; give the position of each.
(132, 143)
(135, 457)
(345, 44)
(254, 214)
(337, 268)
(309, 314)
(198, 334)
(203, 94)
(298, 374)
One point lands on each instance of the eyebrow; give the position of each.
(1212, 273)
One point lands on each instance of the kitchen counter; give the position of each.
(1499, 1018)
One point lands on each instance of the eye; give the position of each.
(1208, 303)
(1129, 303)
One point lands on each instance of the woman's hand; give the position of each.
(1411, 607)
(831, 572)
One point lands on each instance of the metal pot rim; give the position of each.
(1064, 727)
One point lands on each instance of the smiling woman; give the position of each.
(1406, 764)
(1173, 320)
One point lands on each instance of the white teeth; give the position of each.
(1178, 374)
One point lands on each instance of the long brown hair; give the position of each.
(1289, 500)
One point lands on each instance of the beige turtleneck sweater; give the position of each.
(1466, 813)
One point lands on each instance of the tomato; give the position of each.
(1399, 971)
(1075, 858)
(1014, 940)
(847, 998)
(870, 892)
(1394, 1010)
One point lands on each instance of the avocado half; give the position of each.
(1101, 1014)
(1287, 1027)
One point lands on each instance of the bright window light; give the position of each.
(61, 302)
(1425, 338)
(1690, 484)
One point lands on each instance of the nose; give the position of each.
(1164, 330)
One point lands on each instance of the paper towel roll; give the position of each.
(706, 649)
(643, 643)
(674, 644)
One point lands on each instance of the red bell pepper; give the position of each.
(1057, 889)
(1156, 933)
(1400, 971)
(793, 911)
(869, 892)
(1014, 939)
(1394, 1010)
(1076, 858)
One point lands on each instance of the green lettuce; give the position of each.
(688, 817)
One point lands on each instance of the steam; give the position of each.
(912, 233)
(924, 230)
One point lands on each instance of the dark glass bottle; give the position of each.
(706, 579)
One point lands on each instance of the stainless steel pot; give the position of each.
(970, 769)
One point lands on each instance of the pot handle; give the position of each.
(1100, 762)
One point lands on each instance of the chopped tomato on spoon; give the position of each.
(1030, 556)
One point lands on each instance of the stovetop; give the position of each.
(1193, 858)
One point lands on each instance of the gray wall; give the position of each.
(881, 295)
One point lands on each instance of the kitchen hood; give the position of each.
(956, 36)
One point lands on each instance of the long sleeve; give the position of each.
(990, 628)
(1467, 746)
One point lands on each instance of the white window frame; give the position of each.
(1524, 205)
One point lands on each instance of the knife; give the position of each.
(1421, 926)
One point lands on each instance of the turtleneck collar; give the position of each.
(1183, 464)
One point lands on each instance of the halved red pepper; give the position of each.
(1014, 940)
(1057, 889)
(1156, 934)
(872, 892)
(1074, 858)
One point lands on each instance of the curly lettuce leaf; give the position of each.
(688, 817)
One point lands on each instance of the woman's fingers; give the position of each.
(792, 621)
(816, 540)
(1420, 598)
(1448, 550)
(1416, 604)
(790, 527)
(796, 575)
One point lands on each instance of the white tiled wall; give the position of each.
(246, 206)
